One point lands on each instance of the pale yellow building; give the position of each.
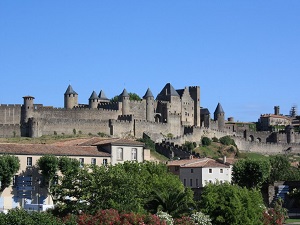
(25, 187)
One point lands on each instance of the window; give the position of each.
(210, 170)
(120, 154)
(29, 161)
(134, 154)
(93, 161)
(81, 162)
(221, 170)
(184, 182)
(192, 170)
(191, 182)
(104, 162)
(176, 168)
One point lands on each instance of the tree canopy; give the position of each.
(251, 173)
(232, 204)
(9, 166)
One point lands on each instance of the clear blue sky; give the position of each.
(243, 54)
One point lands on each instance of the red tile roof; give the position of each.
(44, 149)
(192, 163)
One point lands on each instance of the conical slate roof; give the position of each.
(102, 96)
(167, 91)
(70, 90)
(93, 96)
(219, 109)
(124, 93)
(148, 94)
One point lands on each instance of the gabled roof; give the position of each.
(167, 91)
(219, 109)
(102, 96)
(46, 149)
(70, 91)
(124, 93)
(148, 94)
(204, 111)
(120, 142)
(93, 96)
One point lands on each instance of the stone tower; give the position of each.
(149, 105)
(276, 110)
(27, 111)
(290, 134)
(93, 100)
(219, 116)
(195, 95)
(71, 98)
(124, 98)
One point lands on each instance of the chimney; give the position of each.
(224, 159)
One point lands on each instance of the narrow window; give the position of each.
(120, 154)
(104, 162)
(134, 154)
(192, 170)
(184, 182)
(93, 161)
(29, 161)
(210, 170)
(221, 170)
(191, 182)
(81, 162)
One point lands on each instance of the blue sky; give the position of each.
(243, 54)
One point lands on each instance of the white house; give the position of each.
(196, 173)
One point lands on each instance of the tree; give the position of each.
(48, 165)
(132, 97)
(206, 141)
(9, 166)
(231, 204)
(280, 168)
(251, 173)
(226, 140)
(189, 145)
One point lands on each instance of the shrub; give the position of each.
(165, 217)
(201, 219)
(206, 141)
(226, 140)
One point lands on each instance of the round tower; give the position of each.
(71, 98)
(149, 105)
(124, 98)
(27, 108)
(290, 134)
(93, 100)
(219, 116)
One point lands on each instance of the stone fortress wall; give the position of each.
(173, 112)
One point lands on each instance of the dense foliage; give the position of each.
(206, 141)
(232, 204)
(251, 173)
(9, 166)
(129, 187)
(226, 140)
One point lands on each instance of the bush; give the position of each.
(226, 140)
(206, 141)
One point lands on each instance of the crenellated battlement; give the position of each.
(10, 106)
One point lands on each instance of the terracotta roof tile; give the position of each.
(42, 149)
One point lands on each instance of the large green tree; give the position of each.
(232, 204)
(124, 187)
(251, 173)
(9, 166)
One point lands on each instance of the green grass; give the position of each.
(292, 220)
(251, 155)
(155, 154)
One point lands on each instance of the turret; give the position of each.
(195, 95)
(124, 98)
(102, 97)
(290, 134)
(27, 108)
(149, 105)
(219, 116)
(276, 110)
(71, 98)
(93, 101)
